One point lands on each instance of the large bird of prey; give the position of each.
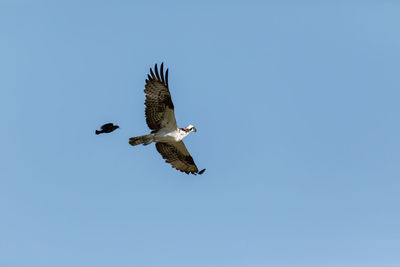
(160, 118)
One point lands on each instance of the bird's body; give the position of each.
(164, 135)
(170, 135)
(160, 118)
(107, 128)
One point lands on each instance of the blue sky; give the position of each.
(297, 111)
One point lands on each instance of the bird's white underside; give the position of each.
(167, 135)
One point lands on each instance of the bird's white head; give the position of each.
(190, 128)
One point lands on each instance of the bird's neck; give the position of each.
(183, 133)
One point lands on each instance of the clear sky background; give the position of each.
(297, 111)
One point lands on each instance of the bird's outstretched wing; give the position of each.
(159, 107)
(178, 156)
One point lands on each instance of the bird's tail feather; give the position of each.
(144, 139)
(98, 132)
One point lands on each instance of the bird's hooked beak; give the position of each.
(194, 129)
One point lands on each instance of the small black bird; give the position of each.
(107, 128)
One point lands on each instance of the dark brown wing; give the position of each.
(178, 156)
(159, 107)
(106, 126)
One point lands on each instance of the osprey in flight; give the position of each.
(160, 118)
